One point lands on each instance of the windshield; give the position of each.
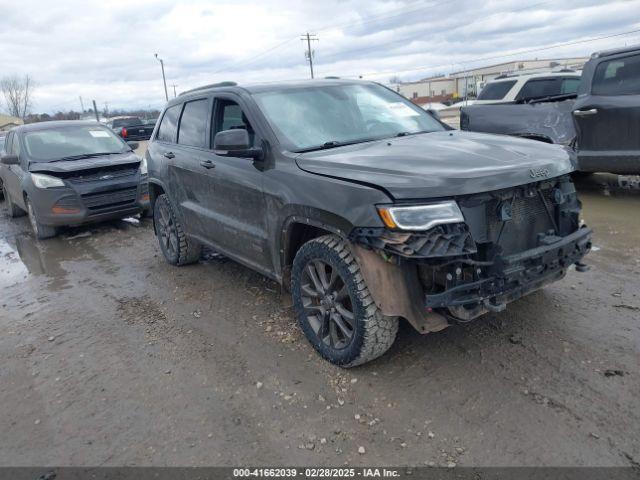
(307, 118)
(54, 144)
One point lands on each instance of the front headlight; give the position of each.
(46, 181)
(421, 217)
(143, 166)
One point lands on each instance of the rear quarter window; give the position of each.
(544, 87)
(169, 126)
(620, 76)
(496, 90)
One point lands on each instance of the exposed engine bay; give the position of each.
(513, 241)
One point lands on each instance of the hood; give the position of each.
(85, 163)
(441, 164)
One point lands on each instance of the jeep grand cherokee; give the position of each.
(368, 207)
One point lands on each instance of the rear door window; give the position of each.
(496, 90)
(168, 128)
(193, 124)
(620, 76)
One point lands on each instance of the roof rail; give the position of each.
(212, 85)
(332, 78)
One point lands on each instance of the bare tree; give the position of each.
(17, 92)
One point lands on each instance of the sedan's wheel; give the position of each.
(41, 231)
(334, 307)
(12, 208)
(175, 246)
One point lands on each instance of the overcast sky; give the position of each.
(103, 50)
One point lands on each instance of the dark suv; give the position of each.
(367, 206)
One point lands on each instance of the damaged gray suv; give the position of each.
(369, 208)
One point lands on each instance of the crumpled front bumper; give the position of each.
(513, 276)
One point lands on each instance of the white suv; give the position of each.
(514, 88)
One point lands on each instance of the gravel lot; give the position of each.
(109, 356)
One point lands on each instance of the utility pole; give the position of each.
(95, 110)
(309, 37)
(106, 109)
(81, 105)
(174, 90)
(164, 80)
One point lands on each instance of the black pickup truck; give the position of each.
(601, 122)
(131, 128)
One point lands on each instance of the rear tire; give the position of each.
(334, 307)
(41, 231)
(176, 247)
(12, 208)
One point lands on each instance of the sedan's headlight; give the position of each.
(421, 217)
(143, 166)
(46, 181)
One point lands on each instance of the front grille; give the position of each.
(529, 217)
(113, 200)
(109, 173)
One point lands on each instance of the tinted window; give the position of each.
(230, 117)
(14, 145)
(168, 127)
(570, 85)
(127, 122)
(496, 90)
(618, 77)
(544, 87)
(193, 124)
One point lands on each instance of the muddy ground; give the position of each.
(109, 356)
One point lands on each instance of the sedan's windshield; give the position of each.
(317, 116)
(73, 141)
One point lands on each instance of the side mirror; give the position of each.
(235, 143)
(133, 145)
(9, 160)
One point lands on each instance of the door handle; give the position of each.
(585, 113)
(169, 155)
(208, 164)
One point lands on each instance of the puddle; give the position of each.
(614, 222)
(12, 270)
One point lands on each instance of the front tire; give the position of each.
(12, 208)
(176, 247)
(41, 231)
(334, 307)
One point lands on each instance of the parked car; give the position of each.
(520, 87)
(368, 207)
(70, 173)
(600, 122)
(2, 138)
(131, 128)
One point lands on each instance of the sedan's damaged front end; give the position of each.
(494, 248)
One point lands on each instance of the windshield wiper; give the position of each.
(333, 144)
(84, 155)
(406, 134)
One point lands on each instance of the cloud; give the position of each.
(104, 50)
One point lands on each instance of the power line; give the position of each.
(414, 36)
(384, 15)
(496, 57)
